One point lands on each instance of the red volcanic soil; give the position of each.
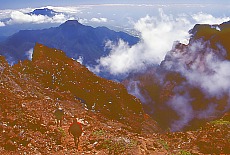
(113, 121)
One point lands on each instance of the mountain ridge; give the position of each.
(56, 71)
(71, 37)
(217, 35)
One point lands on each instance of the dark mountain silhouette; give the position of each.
(72, 37)
(190, 86)
(2, 38)
(44, 12)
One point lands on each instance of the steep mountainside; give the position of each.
(113, 121)
(191, 86)
(217, 35)
(75, 39)
(55, 71)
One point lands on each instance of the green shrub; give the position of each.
(184, 152)
(99, 132)
(163, 143)
(220, 122)
(61, 131)
(118, 145)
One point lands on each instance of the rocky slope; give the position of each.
(113, 121)
(31, 90)
(55, 71)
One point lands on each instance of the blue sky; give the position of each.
(12, 4)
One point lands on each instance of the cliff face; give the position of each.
(191, 86)
(217, 35)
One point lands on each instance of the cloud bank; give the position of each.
(67, 10)
(203, 68)
(18, 17)
(200, 91)
(157, 37)
(204, 18)
(182, 105)
(99, 20)
(23, 16)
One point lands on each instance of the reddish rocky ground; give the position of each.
(114, 122)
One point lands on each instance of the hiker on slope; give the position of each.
(59, 113)
(75, 129)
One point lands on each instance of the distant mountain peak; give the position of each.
(72, 37)
(71, 23)
(45, 12)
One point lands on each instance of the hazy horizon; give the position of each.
(13, 4)
(119, 15)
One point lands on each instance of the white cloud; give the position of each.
(202, 67)
(83, 20)
(67, 9)
(60, 18)
(80, 59)
(29, 54)
(157, 37)
(133, 88)
(209, 111)
(5, 14)
(204, 18)
(18, 17)
(99, 20)
(2, 24)
(181, 104)
(216, 83)
(63, 14)
(122, 58)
